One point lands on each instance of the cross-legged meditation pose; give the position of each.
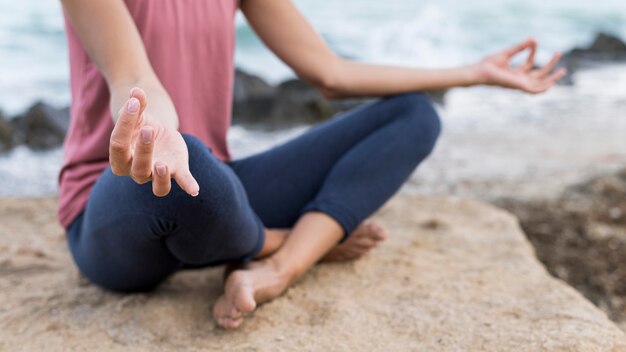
(148, 188)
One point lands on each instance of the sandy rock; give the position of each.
(455, 276)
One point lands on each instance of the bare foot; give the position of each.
(260, 281)
(366, 237)
(247, 286)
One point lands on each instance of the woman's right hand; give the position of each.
(145, 150)
(496, 70)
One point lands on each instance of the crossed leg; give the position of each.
(324, 184)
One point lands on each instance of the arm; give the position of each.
(287, 33)
(145, 142)
(109, 35)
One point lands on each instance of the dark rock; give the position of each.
(253, 98)
(293, 102)
(6, 139)
(297, 100)
(248, 86)
(437, 96)
(605, 47)
(41, 127)
(581, 238)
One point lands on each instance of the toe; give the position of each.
(365, 243)
(235, 313)
(244, 300)
(378, 232)
(233, 323)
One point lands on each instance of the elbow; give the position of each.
(330, 93)
(326, 84)
(327, 80)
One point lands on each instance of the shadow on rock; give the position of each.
(581, 238)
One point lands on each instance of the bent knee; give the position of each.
(193, 143)
(425, 122)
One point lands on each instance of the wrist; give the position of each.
(160, 113)
(475, 75)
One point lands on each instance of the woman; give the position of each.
(276, 213)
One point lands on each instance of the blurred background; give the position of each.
(553, 159)
(518, 137)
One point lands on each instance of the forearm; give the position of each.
(112, 41)
(352, 79)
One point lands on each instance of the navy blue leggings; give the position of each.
(129, 240)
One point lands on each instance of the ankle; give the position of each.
(287, 271)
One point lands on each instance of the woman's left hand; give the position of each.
(496, 70)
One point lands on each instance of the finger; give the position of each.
(161, 180)
(528, 43)
(530, 61)
(140, 94)
(121, 137)
(545, 70)
(557, 75)
(142, 157)
(548, 82)
(187, 182)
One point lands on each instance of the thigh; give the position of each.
(117, 241)
(128, 239)
(281, 181)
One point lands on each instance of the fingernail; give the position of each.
(161, 170)
(133, 105)
(146, 134)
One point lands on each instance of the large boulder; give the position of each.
(42, 126)
(253, 98)
(455, 275)
(604, 48)
(248, 86)
(292, 102)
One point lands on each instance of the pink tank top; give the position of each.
(190, 44)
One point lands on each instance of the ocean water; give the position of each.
(434, 33)
(428, 33)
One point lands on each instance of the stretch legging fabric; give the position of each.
(129, 240)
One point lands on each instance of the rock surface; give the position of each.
(455, 276)
(581, 238)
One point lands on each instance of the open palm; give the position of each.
(496, 69)
(147, 151)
